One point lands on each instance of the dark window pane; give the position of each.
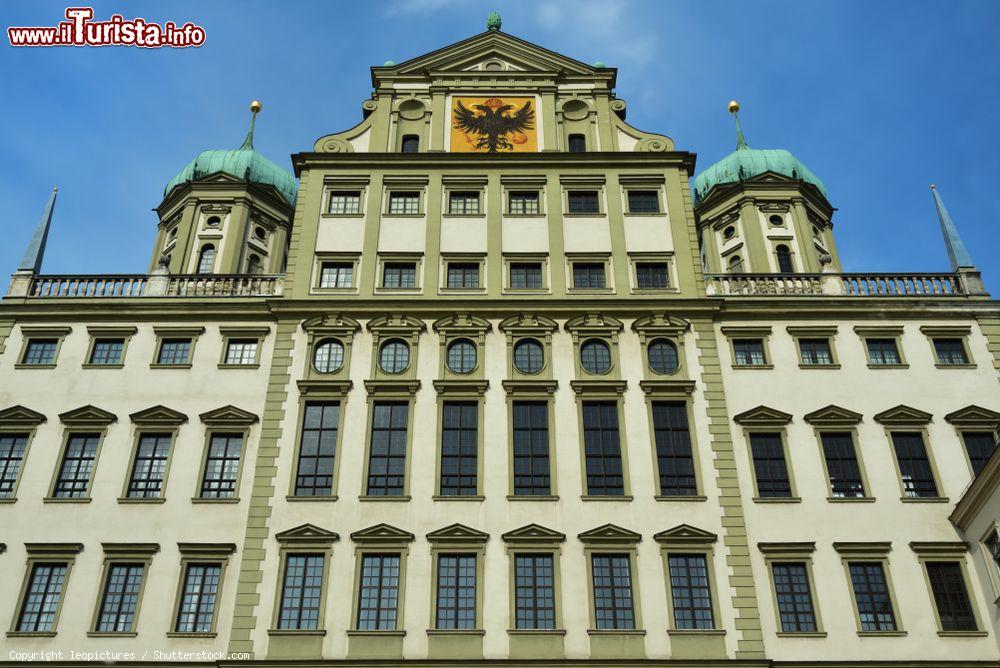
(378, 595)
(399, 275)
(602, 449)
(149, 467)
(174, 351)
(463, 202)
(882, 352)
(595, 357)
(222, 466)
(77, 466)
(784, 257)
(387, 456)
(394, 357)
(951, 596)
(12, 447)
(643, 201)
(749, 352)
(206, 260)
(589, 275)
(674, 458)
(583, 201)
(301, 592)
(690, 592)
(404, 202)
(534, 592)
(950, 351)
(914, 467)
(842, 465)
(463, 275)
(529, 356)
(317, 449)
(198, 598)
(577, 144)
(770, 466)
(462, 356)
(121, 598)
(663, 356)
(41, 600)
(531, 448)
(791, 588)
(40, 351)
(612, 591)
(107, 351)
(815, 352)
(979, 444)
(524, 202)
(456, 591)
(871, 593)
(526, 275)
(459, 448)
(411, 144)
(652, 275)
(328, 356)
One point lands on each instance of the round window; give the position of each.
(776, 221)
(260, 233)
(595, 357)
(729, 232)
(663, 358)
(328, 356)
(213, 221)
(394, 356)
(462, 356)
(529, 357)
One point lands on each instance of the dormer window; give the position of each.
(206, 259)
(411, 144)
(577, 144)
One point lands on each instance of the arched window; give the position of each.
(784, 259)
(462, 356)
(577, 144)
(253, 265)
(529, 356)
(595, 356)
(411, 144)
(206, 260)
(735, 264)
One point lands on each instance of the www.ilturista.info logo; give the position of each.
(81, 30)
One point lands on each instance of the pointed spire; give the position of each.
(957, 252)
(741, 141)
(255, 108)
(32, 260)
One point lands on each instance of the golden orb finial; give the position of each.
(734, 106)
(255, 107)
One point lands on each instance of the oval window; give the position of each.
(663, 358)
(328, 356)
(462, 356)
(529, 357)
(394, 356)
(595, 356)
(776, 221)
(729, 232)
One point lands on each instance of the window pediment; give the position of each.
(88, 415)
(19, 416)
(609, 533)
(764, 416)
(973, 415)
(533, 533)
(660, 324)
(228, 415)
(332, 325)
(158, 415)
(833, 415)
(398, 324)
(685, 534)
(457, 533)
(382, 533)
(903, 415)
(462, 323)
(593, 324)
(307, 533)
(528, 323)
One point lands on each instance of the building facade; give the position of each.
(499, 378)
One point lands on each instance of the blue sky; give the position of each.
(879, 99)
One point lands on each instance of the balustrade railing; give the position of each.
(836, 285)
(900, 285)
(123, 285)
(764, 284)
(215, 285)
(141, 285)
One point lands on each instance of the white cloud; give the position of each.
(617, 28)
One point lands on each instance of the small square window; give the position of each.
(463, 202)
(583, 201)
(749, 352)
(399, 275)
(577, 144)
(588, 275)
(241, 351)
(404, 203)
(652, 275)
(643, 201)
(336, 275)
(950, 352)
(107, 352)
(463, 275)
(524, 202)
(345, 202)
(882, 352)
(526, 275)
(40, 352)
(174, 352)
(815, 352)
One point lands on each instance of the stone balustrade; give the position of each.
(140, 285)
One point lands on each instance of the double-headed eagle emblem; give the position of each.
(494, 128)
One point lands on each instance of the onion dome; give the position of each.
(244, 163)
(745, 163)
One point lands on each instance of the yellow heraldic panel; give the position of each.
(493, 125)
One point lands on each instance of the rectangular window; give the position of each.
(613, 591)
(456, 591)
(914, 466)
(317, 449)
(387, 459)
(526, 275)
(795, 606)
(674, 457)
(378, 595)
(524, 202)
(301, 592)
(399, 275)
(404, 202)
(749, 352)
(534, 591)
(12, 448)
(198, 598)
(769, 466)
(588, 275)
(146, 480)
(174, 351)
(531, 448)
(107, 351)
(463, 275)
(815, 352)
(950, 352)
(643, 201)
(577, 143)
(978, 444)
(345, 202)
(882, 352)
(222, 467)
(583, 201)
(652, 275)
(241, 351)
(871, 593)
(462, 202)
(336, 275)
(842, 465)
(602, 449)
(459, 448)
(41, 600)
(77, 466)
(950, 596)
(121, 598)
(690, 592)
(40, 352)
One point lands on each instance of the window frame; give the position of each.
(764, 420)
(232, 334)
(164, 333)
(584, 186)
(829, 333)
(974, 420)
(319, 329)
(102, 333)
(961, 333)
(541, 259)
(84, 420)
(734, 334)
(17, 421)
(310, 393)
(325, 258)
(529, 326)
(877, 552)
(471, 393)
(456, 539)
(224, 420)
(379, 393)
(674, 393)
(459, 189)
(533, 539)
(834, 419)
(611, 540)
(447, 259)
(531, 393)
(792, 553)
(381, 539)
(29, 334)
(331, 190)
(122, 554)
(512, 189)
(687, 540)
(903, 419)
(895, 333)
(656, 189)
(667, 258)
(416, 259)
(950, 553)
(419, 190)
(303, 540)
(602, 395)
(158, 420)
(197, 554)
(41, 554)
(604, 259)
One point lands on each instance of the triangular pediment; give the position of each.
(307, 533)
(685, 533)
(158, 415)
(904, 415)
(20, 416)
(382, 533)
(974, 415)
(833, 415)
(88, 415)
(610, 533)
(533, 533)
(762, 415)
(458, 533)
(229, 415)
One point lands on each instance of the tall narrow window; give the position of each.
(674, 458)
(301, 592)
(456, 591)
(950, 352)
(690, 592)
(198, 598)
(107, 352)
(871, 594)
(121, 598)
(41, 600)
(222, 467)
(613, 606)
(735, 264)
(882, 352)
(77, 466)
(950, 596)
(842, 465)
(914, 466)
(532, 475)
(602, 449)
(577, 144)
(206, 259)
(462, 202)
(815, 352)
(254, 265)
(643, 201)
(404, 202)
(337, 275)
(795, 606)
(459, 448)
(40, 352)
(378, 596)
(12, 448)
(146, 480)
(769, 466)
(387, 459)
(317, 449)
(526, 275)
(345, 203)
(411, 143)
(784, 257)
(534, 591)
(749, 352)
(524, 202)
(583, 201)
(588, 275)
(978, 444)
